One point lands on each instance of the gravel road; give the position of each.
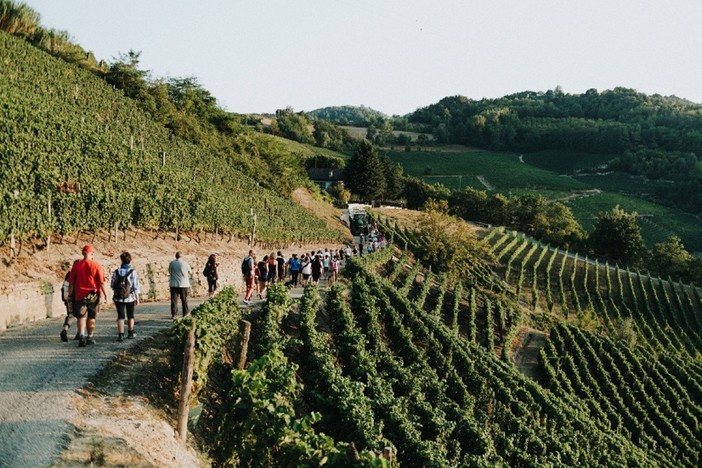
(39, 376)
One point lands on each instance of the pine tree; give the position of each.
(365, 173)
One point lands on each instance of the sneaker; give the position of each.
(120, 337)
(91, 340)
(64, 335)
(131, 334)
(81, 341)
(77, 337)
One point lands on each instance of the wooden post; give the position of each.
(116, 230)
(12, 244)
(163, 158)
(48, 236)
(186, 384)
(387, 453)
(244, 335)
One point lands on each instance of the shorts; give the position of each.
(211, 284)
(271, 276)
(123, 307)
(249, 280)
(89, 305)
(306, 276)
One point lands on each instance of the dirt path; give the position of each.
(40, 375)
(526, 353)
(484, 181)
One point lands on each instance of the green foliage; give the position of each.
(365, 175)
(73, 140)
(348, 115)
(216, 324)
(617, 235)
(293, 126)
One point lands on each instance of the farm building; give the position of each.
(326, 177)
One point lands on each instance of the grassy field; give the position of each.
(503, 171)
(545, 173)
(565, 163)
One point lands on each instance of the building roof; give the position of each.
(325, 174)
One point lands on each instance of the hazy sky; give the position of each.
(395, 56)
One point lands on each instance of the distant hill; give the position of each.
(348, 115)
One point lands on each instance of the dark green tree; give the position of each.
(617, 235)
(294, 126)
(394, 181)
(365, 173)
(670, 258)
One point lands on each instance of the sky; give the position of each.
(256, 56)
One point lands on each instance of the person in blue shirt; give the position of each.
(294, 266)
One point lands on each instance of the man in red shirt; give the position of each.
(86, 280)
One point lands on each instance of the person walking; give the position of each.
(317, 268)
(68, 303)
(86, 281)
(306, 269)
(125, 285)
(294, 266)
(280, 260)
(334, 269)
(248, 270)
(179, 272)
(272, 268)
(262, 276)
(211, 272)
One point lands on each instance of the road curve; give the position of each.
(39, 376)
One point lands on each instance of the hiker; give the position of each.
(294, 266)
(179, 282)
(272, 269)
(247, 269)
(306, 269)
(281, 267)
(334, 269)
(262, 276)
(327, 259)
(125, 285)
(86, 281)
(317, 268)
(68, 303)
(211, 272)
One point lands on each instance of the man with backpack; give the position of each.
(86, 280)
(247, 269)
(125, 285)
(68, 302)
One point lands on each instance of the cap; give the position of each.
(88, 248)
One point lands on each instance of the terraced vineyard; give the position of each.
(380, 369)
(663, 315)
(623, 345)
(79, 156)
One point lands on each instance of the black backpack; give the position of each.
(246, 266)
(208, 270)
(123, 285)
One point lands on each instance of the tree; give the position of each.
(294, 126)
(617, 235)
(670, 258)
(394, 184)
(124, 74)
(365, 174)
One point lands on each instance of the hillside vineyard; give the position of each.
(79, 156)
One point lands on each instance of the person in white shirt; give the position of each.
(179, 272)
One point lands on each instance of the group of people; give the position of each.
(372, 241)
(84, 285)
(307, 268)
